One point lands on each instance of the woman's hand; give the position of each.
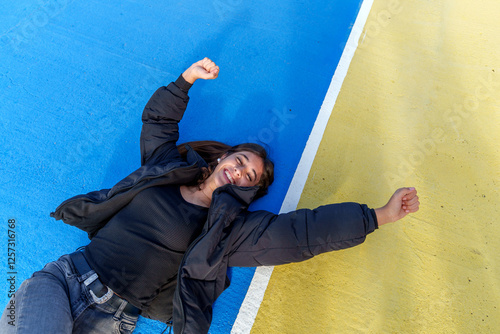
(203, 69)
(402, 202)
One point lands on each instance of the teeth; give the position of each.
(229, 177)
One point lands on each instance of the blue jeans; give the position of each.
(56, 300)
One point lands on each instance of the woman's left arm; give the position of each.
(269, 239)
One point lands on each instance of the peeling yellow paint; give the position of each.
(420, 107)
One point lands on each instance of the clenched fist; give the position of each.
(402, 202)
(203, 69)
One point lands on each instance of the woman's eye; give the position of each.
(238, 160)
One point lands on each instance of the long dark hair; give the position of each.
(211, 150)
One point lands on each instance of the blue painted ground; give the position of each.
(75, 75)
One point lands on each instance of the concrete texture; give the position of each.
(420, 106)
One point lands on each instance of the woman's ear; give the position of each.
(224, 156)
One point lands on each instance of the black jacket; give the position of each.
(232, 235)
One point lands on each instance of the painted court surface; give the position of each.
(411, 99)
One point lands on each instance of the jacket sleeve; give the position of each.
(160, 118)
(266, 239)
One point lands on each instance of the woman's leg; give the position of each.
(40, 305)
(57, 300)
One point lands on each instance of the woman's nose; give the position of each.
(237, 171)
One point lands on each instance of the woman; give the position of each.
(163, 237)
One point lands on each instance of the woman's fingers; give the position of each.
(211, 70)
(208, 64)
(409, 199)
(401, 203)
(411, 203)
(407, 193)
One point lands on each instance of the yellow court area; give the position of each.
(420, 106)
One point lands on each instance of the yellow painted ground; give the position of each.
(419, 107)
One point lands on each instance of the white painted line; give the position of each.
(251, 303)
(255, 294)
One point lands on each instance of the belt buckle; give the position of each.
(104, 298)
(101, 300)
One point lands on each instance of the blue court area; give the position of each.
(75, 76)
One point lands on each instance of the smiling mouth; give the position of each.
(228, 176)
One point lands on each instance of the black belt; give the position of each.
(100, 292)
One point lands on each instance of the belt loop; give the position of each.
(90, 279)
(119, 312)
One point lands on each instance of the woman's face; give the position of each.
(243, 169)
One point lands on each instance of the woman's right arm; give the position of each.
(165, 109)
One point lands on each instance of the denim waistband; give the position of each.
(100, 292)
